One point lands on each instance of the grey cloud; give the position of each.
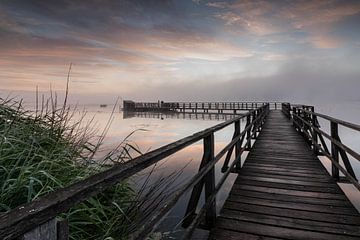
(295, 82)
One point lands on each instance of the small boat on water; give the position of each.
(103, 105)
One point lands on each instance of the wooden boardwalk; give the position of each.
(284, 192)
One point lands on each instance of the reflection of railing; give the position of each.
(183, 115)
(306, 122)
(43, 211)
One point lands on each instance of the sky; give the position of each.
(182, 50)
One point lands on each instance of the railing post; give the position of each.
(63, 230)
(237, 145)
(248, 132)
(334, 149)
(209, 182)
(254, 129)
(314, 133)
(294, 118)
(210, 217)
(51, 230)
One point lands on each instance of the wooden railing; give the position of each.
(219, 105)
(305, 120)
(42, 212)
(201, 105)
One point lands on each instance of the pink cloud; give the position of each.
(263, 18)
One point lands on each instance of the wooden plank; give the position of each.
(289, 198)
(290, 192)
(292, 213)
(270, 176)
(336, 210)
(286, 174)
(277, 231)
(284, 181)
(318, 226)
(233, 235)
(304, 188)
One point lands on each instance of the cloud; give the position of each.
(218, 4)
(295, 81)
(325, 42)
(144, 47)
(265, 18)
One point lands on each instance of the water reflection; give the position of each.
(184, 115)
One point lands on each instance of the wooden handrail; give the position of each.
(335, 120)
(27, 217)
(306, 122)
(335, 162)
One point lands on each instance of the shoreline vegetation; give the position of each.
(44, 150)
(49, 148)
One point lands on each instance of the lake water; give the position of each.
(158, 130)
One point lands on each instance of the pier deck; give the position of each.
(284, 192)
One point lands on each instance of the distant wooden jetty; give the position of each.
(282, 191)
(195, 107)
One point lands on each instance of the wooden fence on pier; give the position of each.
(282, 191)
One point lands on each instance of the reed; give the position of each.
(47, 149)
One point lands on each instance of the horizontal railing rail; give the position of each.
(28, 217)
(305, 120)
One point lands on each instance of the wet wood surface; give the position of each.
(284, 192)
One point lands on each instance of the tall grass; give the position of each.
(53, 146)
(46, 149)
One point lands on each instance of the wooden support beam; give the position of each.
(46, 231)
(314, 133)
(346, 160)
(209, 180)
(334, 150)
(248, 133)
(238, 145)
(63, 229)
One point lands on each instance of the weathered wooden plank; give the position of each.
(297, 181)
(289, 198)
(336, 210)
(289, 192)
(285, 176)
(310, 225)
(277, 231)
(304, 188)
(292, 213)
(234, 235)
